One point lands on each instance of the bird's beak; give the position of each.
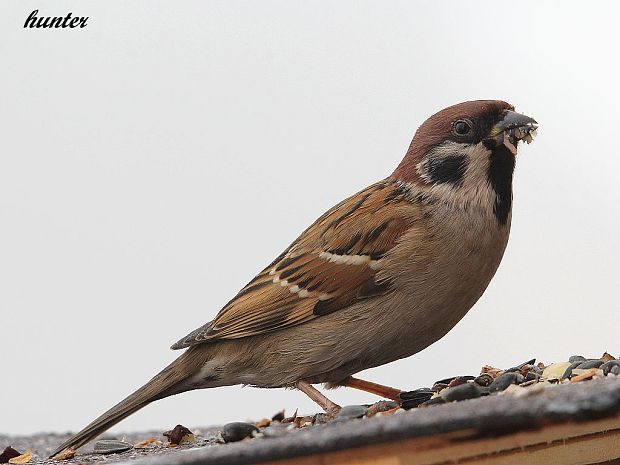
(514, 127)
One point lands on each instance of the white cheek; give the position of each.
(474, 187)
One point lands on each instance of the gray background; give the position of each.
(153, 162)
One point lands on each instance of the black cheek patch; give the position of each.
(501, 167)
(449, 169)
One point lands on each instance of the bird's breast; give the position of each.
(441, 268)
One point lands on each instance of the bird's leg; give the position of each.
(378, 389)
(327, 405)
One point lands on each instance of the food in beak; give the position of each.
(514, 135)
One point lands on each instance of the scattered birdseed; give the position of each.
(179, 434)
(383, 406)
(526, 379)
(21, 459)
(503, 381)
(237, 431)
(461, 392)
(8, 454)
(263, 423)
(111, 446)
(349, 412)
(279, 416)
(66, 454)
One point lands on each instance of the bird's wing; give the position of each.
(332, 264)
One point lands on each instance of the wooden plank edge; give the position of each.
(588, 442)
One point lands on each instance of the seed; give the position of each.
(484, 390)
(608, 366)
(529, 362)
(436, 401)
(438, 387)
(349, 412)
(536, 369)
(380, 407)
(8, 454)
(555, 370)
(570, 369)
(263, 423)
(531, 376)
(484, 379)
(412, 399)
(503, 381)
(461, 392)
(110, 446)
(177, 434)
(278, 416)
(590, 364)
(607, 357)
(238, 430)
(460, 380)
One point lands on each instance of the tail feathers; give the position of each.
(162, 385)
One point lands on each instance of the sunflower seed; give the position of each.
(111, 446)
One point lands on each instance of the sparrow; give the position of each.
(379, 277)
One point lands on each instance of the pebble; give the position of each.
(111, 446)
(576, 358)
(615, 370)
(484, 380)
(590, 364)
(503, 381)
(349, 412)
(238, 430)
(461, 392)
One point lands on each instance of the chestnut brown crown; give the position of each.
(466, 123)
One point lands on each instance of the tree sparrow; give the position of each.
(380, 276)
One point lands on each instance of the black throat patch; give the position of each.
(501, 167)
(450, 169)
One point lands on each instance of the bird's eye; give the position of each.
(462, 127)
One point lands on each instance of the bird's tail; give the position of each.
(166, 383)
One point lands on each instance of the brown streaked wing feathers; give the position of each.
(367, 224)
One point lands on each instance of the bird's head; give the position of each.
(466, 153)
